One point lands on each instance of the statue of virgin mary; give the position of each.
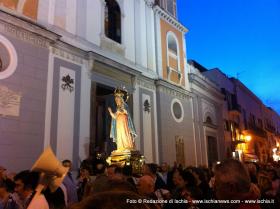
(122, 127)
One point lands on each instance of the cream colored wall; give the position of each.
(28, 8)
(165, 28)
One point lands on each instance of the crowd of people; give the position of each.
(230, 184)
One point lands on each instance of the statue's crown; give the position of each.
(121, 92)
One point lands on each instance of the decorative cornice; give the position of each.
(143, 82)
(209, 125)
(217, 101)
(172, 90)
(205, 84)
(26, 30)
(171, 20)
(66, 55)
(114, 64)
(113, 46)
(150, 3)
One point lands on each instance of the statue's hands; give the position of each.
(109, 109)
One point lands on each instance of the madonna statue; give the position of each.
(122, 128)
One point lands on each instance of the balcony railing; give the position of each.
(270, 128)
(235, 108)
(257, 130)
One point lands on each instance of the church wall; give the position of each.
(170, 130)
(22, 134)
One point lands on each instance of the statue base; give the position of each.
(127, 157)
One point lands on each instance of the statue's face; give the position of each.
(118, 101)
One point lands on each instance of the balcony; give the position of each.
(235, 109)
(270, 128)
(255, 130)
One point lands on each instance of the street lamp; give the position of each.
(248, 138)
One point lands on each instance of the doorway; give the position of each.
(100, 121)
(212, 150)
(102, 97)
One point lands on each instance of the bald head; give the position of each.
(146, 185)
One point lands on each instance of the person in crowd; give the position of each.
(117, 200)
(264, 183)
(252, 169)
(232, 182)
(275, 183)
(164, 172)
(83, 180)
(127, 173)
(111, 171)
(25, 187)
(7, 200)
(55, 198)
(146, 187)
(151, 170)
(2, 173)
(118, 185)
(201, 182)
(182, 180)
(191, 194)
(115, 173)
(100, 181)
(70, 183)
(265, 187)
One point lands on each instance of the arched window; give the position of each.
(113, 20)
(172, 52)
(209, 120)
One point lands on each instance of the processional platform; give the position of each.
(127, 157)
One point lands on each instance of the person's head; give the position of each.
(150, 169)
(111, 171)
(100, 168)
(183, 178)
(251, 168)
(177, 179)
(115, 173)
(192, 193)
(2, 172)
(199, 174)
(232, 180)
(145, 185)
(6, 186)
(127, 170)
(67, 163)
(264, 182)
(118, 200)
(85, 171)
(25, 183)
(164, 167)
(119, 185)
(272, 174)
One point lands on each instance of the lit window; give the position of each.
(112, 20)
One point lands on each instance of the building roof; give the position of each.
(197, 65)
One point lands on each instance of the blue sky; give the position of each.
(241, 37)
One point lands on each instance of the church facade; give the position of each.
(62, 60)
